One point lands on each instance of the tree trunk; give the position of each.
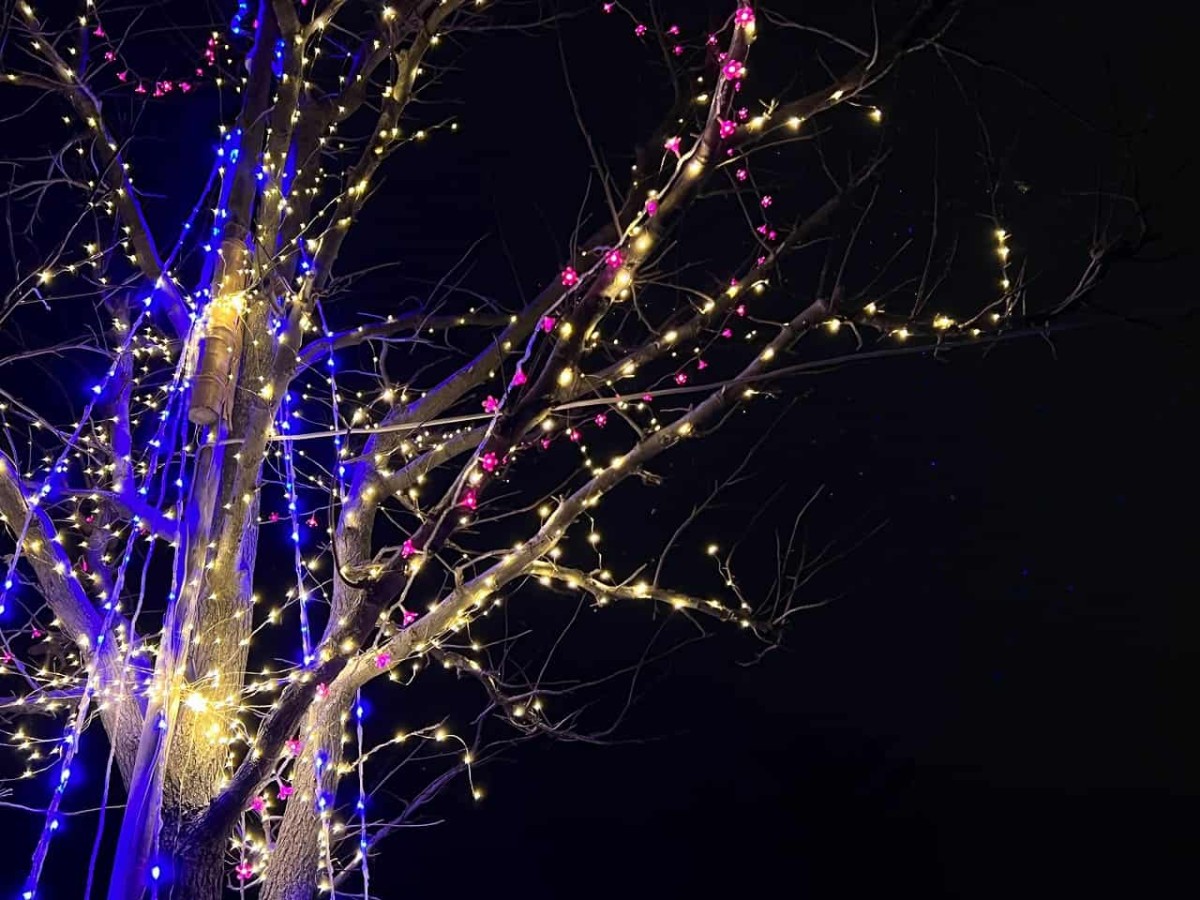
(196, 862)
(295, 866)
(298, 859)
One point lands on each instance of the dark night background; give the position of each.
(996, 702)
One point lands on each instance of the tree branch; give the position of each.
(604, 592)
(115, 173)
(81, 623)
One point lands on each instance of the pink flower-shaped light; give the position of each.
(570, 277)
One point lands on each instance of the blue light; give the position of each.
(238, 17)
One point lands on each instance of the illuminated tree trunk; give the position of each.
(222, 340)
(299, 858)
(295, 864)
(196, 860)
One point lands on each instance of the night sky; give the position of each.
(993, 701)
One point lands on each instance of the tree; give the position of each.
(412, 454)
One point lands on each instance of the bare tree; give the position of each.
(227, 360)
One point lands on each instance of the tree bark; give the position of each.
(298, 859)
(295, 866)
(195, 862)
